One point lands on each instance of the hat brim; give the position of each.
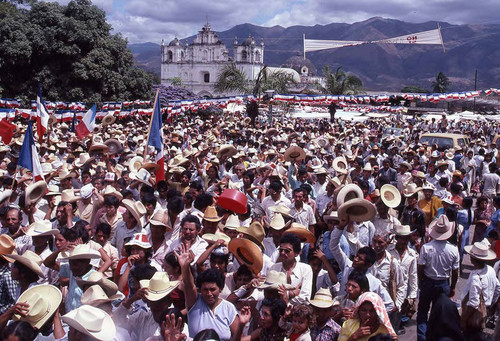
(490, 256)
(305, 236)
(337, 168)
(159, 223)
(134, 212)
(294, 153)
(213, 237)
(441, 236)
(109, 287)
(158, 295)
(50, 293)
(357, 210)
(107, 332)
(274, 286)
(248, 253)
(321, 304)
(349, 192)
(390, 196)
(35, 192)
(28, 263)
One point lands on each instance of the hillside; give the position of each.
(381, 67)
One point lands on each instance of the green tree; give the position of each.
(340, 82)
(414, 90)
(232, 79)
(70, 51)
(441, 83)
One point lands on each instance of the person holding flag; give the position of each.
(155, 139)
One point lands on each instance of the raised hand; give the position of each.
(172, 329)
(184, 256)
(245, 315)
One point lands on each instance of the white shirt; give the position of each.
(408, 268)
(482, 281)
(140, 324)
(269, 202)
(199, 246)
(301, 276)
(123, 232)
(385, 224)
(201, 318)
(382, 270)
(439, 259)
(322, 201)
(304, 216)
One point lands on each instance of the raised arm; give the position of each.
(185, 257)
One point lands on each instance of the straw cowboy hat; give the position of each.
(65, 173)
(357, 210)
(135, 164)
(442, 163)
(294, 153)
(226, 151)
(41, 228)
(283, 210)
(177, 161)
(143, 176)
(302, 232)
(411, 189)
(348, 192)
(140, 240)
(158, 286)
(29, 259)
(160, 218)
(52, 120)
(150, 166)
(232, 222)
(441, 228)
(7, 247)
(69, 196)
(35, 192)
(98, 147)
(277, 222)
(390, 196)
(83, 158)
(91, 321)
(248, 253)
(214, 237)
(322, 299)
(403, 230)
(83, 251)
(95, 295)
(108, 119)
(110, 190)
(254, 232)
(340, 165)
(5, 195)
(136, 208)
(97, 278)
(480, 250)
(333, 216)
(114, 146)
(211, 214)
(274, 280)
(43, 301)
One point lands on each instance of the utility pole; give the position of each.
(475, 88)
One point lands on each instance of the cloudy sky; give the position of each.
(154, 20)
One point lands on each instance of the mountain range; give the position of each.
(381, 67)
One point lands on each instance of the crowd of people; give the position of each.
(298, 230)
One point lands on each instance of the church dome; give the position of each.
(302, 66)
(174, 42)
(249, 41)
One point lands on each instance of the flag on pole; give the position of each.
(156, 140)
(7, 131)
(28, 157)
(73, 123)
(87, 124)
(42, 115)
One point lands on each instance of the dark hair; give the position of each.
(171, 260)
(161, 185)
(172, 193)
(30, 275)
(250, 175)
(149, 198)
(211, 276)
(481, 199)
(207, 334)
(496, 200)
(202, 201)
(79, 227)
(307, 188)
(443, 182)
(187, 174)
(191, 219)
(387, 337)
(147, 189)
(20, 329)
(69, 234)
(277, 307)
(276, 186)
(297, 190)
(292, 239)
(455, 188)
(371, 256)
(196, 185)
(224, 258)
(111, 200)
(105, 228)
(301, 171)
(244, 270)
(361, 279)
(142, 271)
(175, 204)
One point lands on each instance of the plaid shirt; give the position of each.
(8, 289)
(329, 332)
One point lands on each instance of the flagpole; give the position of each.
(304, 44)
(441, 36)
(150, 124)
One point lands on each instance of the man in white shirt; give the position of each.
(274, 198)
(300, 211)
(323, 199)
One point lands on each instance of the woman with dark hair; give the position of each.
(175, 206)
(26, 270)
(19, 331)
(482, 216)
(172, 267)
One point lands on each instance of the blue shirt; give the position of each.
(494, 222)
(74, 291)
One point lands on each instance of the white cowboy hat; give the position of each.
(441, 228)
(277, 222)
(29, 259)
(340, 165)
(136, 208)
(141, 240)
(64, 174)
(178, 160)
(390, 196)
(160, 218)
(332, 216)
(248, 253)
(348, 192)
(83, 158)
(232, 222)
(213, 237)
(283, 210)
(294, 153)
(448, 199)
(7, 247)
(91, 321)
(35, 192)
(69, 196)
(480, 250)
(5, 195)
(158, 286)
(43, 301)
(97, 278)
(83, 251)
(41, 228)
(428, 186)
(357, 210)
(108, 119)
(411, 189)
(226, 151)
(322, 299)
(95, 295)
(110, 190)
(135, 164)
(142, 176)
(403, 230)
(275, 279)
(114, 146)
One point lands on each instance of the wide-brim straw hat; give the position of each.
(480, 250)
(41, 228)
(441, 228)
(143, 176)
(302, 232)
(357, 210)
(403, 230)
(442, 163)
(150, 166)
(274, 280)
(135, 164)
(83, 158)
(95, 295)
(69, 196)
(214, 237)
(333, 216)
(108, 119)
(411, 189)
(232, 222)
(248, 253)
(114, 146)
(226, 151)
(35, 192)
(211, 214)
(255, 231)
(141, 240)
(110, 190)
(340, 165)
(160, 218)
(5, 195)
(158, 286)
(283, 210)
(29, 259)
(7, 247)
(322, 299)
(98, 147)
(349, 192)
(64, 174)
(91, 321)
(294, 153)
(43, 301)
(97, 278)
(83, 251)
(277, 222)
(136, 208)
(390, 196)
